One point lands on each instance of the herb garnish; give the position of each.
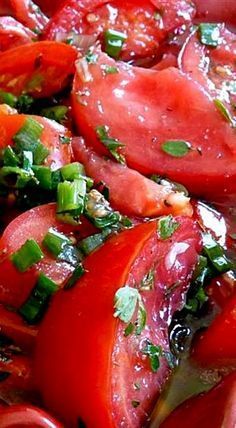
(112, 144)
(176, 148)
(167, 226)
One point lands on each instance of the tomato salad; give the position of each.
(117, 214)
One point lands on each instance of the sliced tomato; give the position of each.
(19, 416)
(221, 289)
(15, 286)
(49, 7)
(217, 11)
(13, 33)
(80, 334)
(214, 68)
(40, 69)
(15, 329)
(151, 107)
(144, 23)
(16, 371)
(143, 197)
(29, 14)
(52, 135)
(215, 346)
(212, 409)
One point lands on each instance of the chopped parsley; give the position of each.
(112, 144)
(154, 353)
(167, 226)
(127, 300)
(176, 148)
(209, 34)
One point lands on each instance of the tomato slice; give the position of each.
(33, 224)
(143, 197)
(28, 14)
(212, 409)
(221, 289)
(49, 7)
(40, 69)
(215, 346)
(52, 135)
(214, 68)
(79, 333)
(160, 106)
(145, 23)
(19, 416)
(216, 11)
(13, 33)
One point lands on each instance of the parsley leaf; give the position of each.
(167, 226)
(111, 144)
(154, 353)
(209, 34)
(176, 148)
(127, 300)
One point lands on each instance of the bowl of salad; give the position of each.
(118, 214)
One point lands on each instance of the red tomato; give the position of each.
(221, 289)
(217, 11)
(87, 357)
(16, 371)
(49, 7)
(13, 33)
(145, 23)
(214, 68)
(212, 409)
(28, 14)
(60, 154)
(35, 223)
(160, 106)
(215, 346)
(143, 197)
(40, 69)
(23, 416)
(12, 326)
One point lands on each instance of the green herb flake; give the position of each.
(129, 329)
(135, 403)
(109, 69)
(224, 112)
(154, 353)
(209, 34)
(64, 140)
(91, 57)
(176, 148)
(167, 226)
(147, 282)
(111, 144)
(216, 254)
(114, 41)
(127, 300)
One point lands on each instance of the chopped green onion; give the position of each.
(8, 98)
(91, 57)
(27, 255)
(43, 175)
(9, 157)
(129, 329)
(216, 254)
(72, 171)
(224, 112)
(71, 197)
(55, 241)
(91, 243)
(176, 148)
(78, 272)
(110, 143)
(28, 139)
(195, 303)
(24, 103)
(154, 353)
(27, 160)
(167, 226)
(114, 41)
(33, 309)
(71, 255)
(109, 69)
(57, 113)
(99, 211)
(209, 34)
(13, 176)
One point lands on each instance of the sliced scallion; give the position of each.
(72, 171)
(8, 98)
(114, 41)
(55, 241)
(13, 176)
(71, 197)
(209, 34)
(57, 113)
(216, 254)
(91, 243)
(27, 255)
(78, 272)
(27, 160)
(10, 158)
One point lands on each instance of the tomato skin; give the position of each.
(13, 33)
(35, 223)
(87, 314)
(215, 408)
(216, 11)
(215, 347)
(41, 69)
(143, 197)
(29, 14)
(48, 7)
(157, 105)
(26, 416)
(135, 18)
(60, 154)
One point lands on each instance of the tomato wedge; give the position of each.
(218, 75)
(40, 69)
(212, 409)
(150, 108)
(144, 23)
(15, 286)
(29, 14)
(19, 416)
(79, 333)
(49, 7)
(143, 197)
(13, 33)
(215, 346)
(217, 11)
(52, 135)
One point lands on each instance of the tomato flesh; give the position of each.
(13, 33)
